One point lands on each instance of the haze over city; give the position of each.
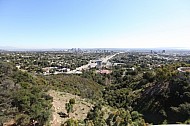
(94, 24)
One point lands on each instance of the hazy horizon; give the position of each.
(9, 48)
(47, 24)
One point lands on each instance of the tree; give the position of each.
(72, 101)
(150, 76)
(182, 111)
(68, 107)
(96, 116)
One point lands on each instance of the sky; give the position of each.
(40, 24)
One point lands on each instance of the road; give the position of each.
(84, 67)
(105, 59)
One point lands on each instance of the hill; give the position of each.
(167, 98)
(80, 108)
(75, 85)
(22, 97)
(161, 95)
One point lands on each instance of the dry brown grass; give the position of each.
(81, 107)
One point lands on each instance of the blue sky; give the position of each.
(94, 23)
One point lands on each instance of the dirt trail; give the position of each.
(81, 108)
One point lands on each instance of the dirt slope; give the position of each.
(81, 108)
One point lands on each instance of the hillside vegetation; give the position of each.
(161, 95)
(22, 97)
(76, 85)
(157, 96)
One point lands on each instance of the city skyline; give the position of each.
(94, 24)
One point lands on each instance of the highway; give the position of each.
(84, 67)
(105, 59)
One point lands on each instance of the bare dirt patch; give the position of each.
(81, 107)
